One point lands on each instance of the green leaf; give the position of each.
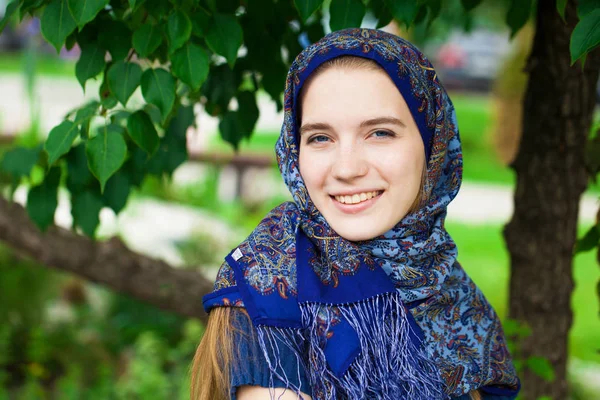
(435, 6)
(30, 6)
(219, 88)
(173, 149)
(585, 7)
(136, 168)
(107, 99)
(510, 327)
(315, 31)
(421, 15)
(226, 6)
(106, 153)
(179, 29)
(592, 155)
(381, 12)
(71, 40)
(561, 5)
(133, 4)
(248, 112)
(84, 11)
(85, 113)
(78, 173)
(191, 65)
(158, 88)
(225, 37)
(85, 208)
(307, 7)
(11, 8)
(346, 14)
(541, 367)
(468, 5)
(123, 79)
(115, 37)
(146, 39)
(200, 22)
(586, 35)
(271, 82)
(404, 11)
(142, 132)
(589, 241)
(60, 140)
(91, 63)
(19, 161)
(154, 113)
(57, 23)
(42, 200)
(119, 116)
(230, 128)
(117, 191)
(518, 15)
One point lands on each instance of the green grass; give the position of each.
(484, 257)
(46, 64)
(474, 123)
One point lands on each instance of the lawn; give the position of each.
(45, 64)
(484, 257)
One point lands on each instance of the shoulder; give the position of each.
(276, 232)
(264, 262)
(283, 218)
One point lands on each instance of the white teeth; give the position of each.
(357, 198)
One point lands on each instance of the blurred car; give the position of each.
(470, 61)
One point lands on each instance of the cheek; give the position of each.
(309, 170)
(403, 166)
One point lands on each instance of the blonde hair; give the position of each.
(210, 378)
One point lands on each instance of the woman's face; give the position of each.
(361, 154)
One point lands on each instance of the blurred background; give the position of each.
(63, 337)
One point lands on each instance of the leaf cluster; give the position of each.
(170, 55)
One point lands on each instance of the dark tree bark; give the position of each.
(551, 178)
(109, 263)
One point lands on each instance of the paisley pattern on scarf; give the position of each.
(335, 303)
(337, 260)
(267, 253)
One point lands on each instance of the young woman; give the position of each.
(353, 290)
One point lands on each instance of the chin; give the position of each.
(354, 235)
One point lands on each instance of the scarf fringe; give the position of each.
(389, 366)
(270, 339)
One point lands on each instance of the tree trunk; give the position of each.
(551, 177)
(109, 263)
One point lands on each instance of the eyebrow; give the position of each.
(382, 121)
(321, 126)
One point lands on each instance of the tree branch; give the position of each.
(109, 263)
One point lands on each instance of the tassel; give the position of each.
(390, 365)
(270, 340)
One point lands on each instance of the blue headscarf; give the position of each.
(388, 318)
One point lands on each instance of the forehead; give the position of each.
(343, 93)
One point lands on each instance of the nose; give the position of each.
(349, 163)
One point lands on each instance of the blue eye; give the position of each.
(318, 139)
(383, 134)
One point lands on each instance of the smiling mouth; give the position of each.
(358, 197)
